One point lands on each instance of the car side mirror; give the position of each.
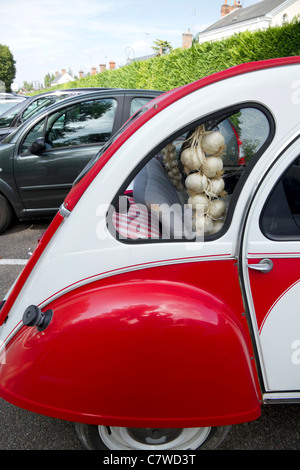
(38, 146)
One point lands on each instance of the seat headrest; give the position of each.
(152, 186)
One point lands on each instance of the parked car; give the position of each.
(23, 110)
(8, 100)
(41, 159)
(156, 319)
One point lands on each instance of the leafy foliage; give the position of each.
(182, 66)
(7, 67)
(164, 46)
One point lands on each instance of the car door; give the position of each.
(271, 270)
(72, 135)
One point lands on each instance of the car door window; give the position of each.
(89, 122)
(34, 133)
(281, 215)
(137, 103)
(185, 189)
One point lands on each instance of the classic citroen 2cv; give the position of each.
(161, 305)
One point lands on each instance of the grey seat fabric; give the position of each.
(152, 186)
(153, 189)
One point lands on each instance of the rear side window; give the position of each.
(280, 219)
(137, 103)
(185, 189)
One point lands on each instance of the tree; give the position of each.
(28, 86)
(7, 67)
(48, 79)
(163, 46)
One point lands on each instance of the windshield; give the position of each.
(7, 118)
(33, 107)
(42, 103)
(7, 104)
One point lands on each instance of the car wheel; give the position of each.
(5, 213)
(120, 438)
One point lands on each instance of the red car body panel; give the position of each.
(135, 321)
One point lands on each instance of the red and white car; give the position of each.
(154, 322)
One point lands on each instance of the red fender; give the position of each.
(136, 353)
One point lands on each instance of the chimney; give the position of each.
(102, 67)
(112, 65)
(63, 71)
(80, 73)
(225, 9)
(93, 71)
(187, 39)
(56, 74)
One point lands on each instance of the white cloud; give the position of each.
(48, 35)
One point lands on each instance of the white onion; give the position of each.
(196, 182)
(169, 148)
(215, 187)
(198, 202)
(203, 225)
(218, 224)
(213, 142)
(216, 208)
(192, 158)
(173, 172)
(211, 166)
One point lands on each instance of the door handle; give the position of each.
(264, 266)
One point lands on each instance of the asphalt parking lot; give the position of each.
(278, 428)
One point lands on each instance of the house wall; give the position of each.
(291, 10)
(223, 33)
(65, 79)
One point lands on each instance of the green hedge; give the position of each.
(184, 66)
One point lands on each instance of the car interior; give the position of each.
(155, 207)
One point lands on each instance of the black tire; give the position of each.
(6, 213)
(90, 437)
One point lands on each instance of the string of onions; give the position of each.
(192, 157)
(171, 165)
(203, 163)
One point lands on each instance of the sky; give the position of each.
(45, 36)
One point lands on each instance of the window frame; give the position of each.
(221, 113)
(271, 236)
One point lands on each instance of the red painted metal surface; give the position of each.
(149, 348)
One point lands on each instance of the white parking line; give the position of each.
(13, 261)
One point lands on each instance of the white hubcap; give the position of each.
(117, 438)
